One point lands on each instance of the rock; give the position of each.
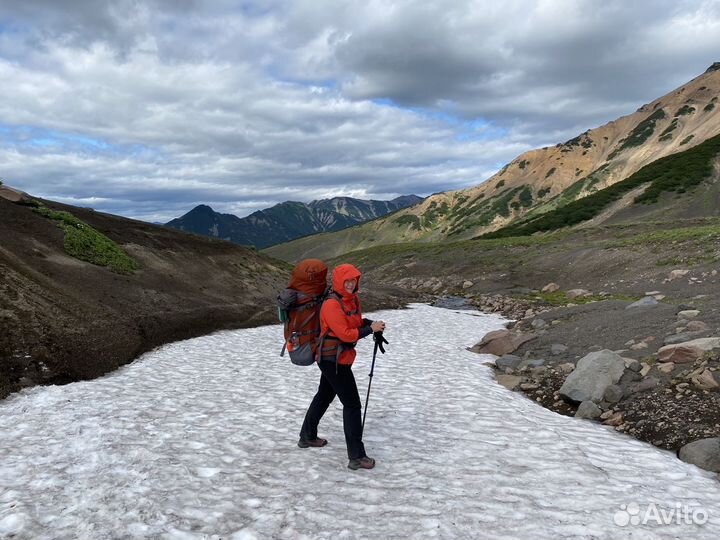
(688, 314)
(652, 293)
(677, 273)
(551, 287)
(508, 361)
(648, 301)
(538, 323)
(593, 374)
(511, 382)
(697, 326)
(648, 383)
(14, 195)
(705, 380)
(704, 453)
(558, 348)
(467, 284)
(589, 410)
(633, 365)
(666, 368)
(613, 393)
(688, 351)
(538, 372)
(679, 338)
(615, 420)
(529, 386)
(629, 377)
(532, 363)
(567, 367)
(501, 342)
(678, 354)
(577, 293)
(638, 346)
(647, 367)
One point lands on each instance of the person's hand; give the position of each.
(377, 326)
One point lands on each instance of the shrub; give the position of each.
(709, 107)
(85, 243)
(409, 219)
(666, 135)
(525, 197)
(685, 110)
(550, 173)
(640, 134)
(686, 139)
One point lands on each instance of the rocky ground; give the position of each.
(666, 386)
(671, 267)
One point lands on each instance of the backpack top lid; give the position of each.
(309, 277)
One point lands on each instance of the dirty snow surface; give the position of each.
(197, 439)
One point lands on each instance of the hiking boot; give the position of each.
(315, 443)
(361, 463)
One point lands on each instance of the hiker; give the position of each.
(341, 326)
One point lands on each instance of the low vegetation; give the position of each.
(412, 220)
(642, 132)
(675, 173)
(684, 110)
(85, 243)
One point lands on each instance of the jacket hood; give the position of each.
(341, 274)
(309, 277)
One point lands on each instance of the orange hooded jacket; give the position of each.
(343, 324)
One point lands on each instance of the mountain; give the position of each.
(287, 221)
(546, 180)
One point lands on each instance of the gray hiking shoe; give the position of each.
(315, 443)
(361, 463)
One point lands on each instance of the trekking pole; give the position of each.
(379, 340)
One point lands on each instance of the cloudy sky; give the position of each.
(146, 108)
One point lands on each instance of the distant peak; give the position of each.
(202, 208)
(715, 67)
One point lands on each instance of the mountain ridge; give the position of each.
(287, 220)
(542, 179)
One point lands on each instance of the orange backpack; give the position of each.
(299, 309)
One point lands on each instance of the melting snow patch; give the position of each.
(197, 439)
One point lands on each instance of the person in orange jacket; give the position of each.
(341, 326)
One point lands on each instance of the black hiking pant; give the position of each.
(339, 383)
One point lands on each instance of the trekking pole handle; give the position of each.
(379, 341)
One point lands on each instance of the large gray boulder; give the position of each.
(592, 375)
(704, 453)
(501, 342)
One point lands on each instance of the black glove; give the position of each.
(379, 339)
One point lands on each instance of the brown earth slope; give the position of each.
(63, 319)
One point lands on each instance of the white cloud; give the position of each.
(148, 109)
